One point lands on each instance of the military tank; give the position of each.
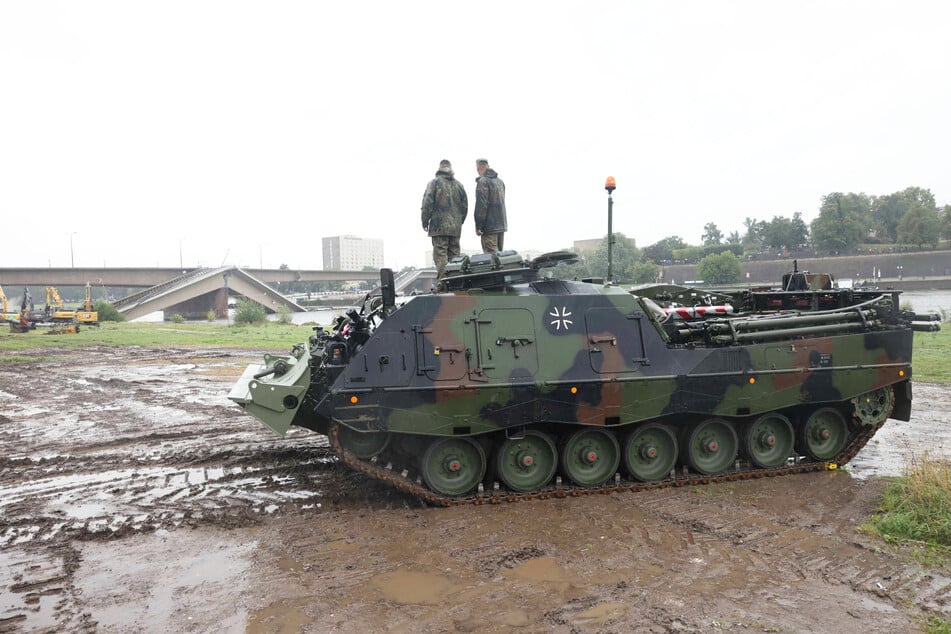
(506, 383)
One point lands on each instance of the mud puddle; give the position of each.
(135, 497)
(899, 443)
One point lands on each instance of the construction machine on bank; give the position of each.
(58, 314)
(86, 315)
(54, 311)
(7, 315)
(508, 383)
(54, 318)
(20, 320)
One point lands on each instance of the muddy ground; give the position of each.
(135, 497)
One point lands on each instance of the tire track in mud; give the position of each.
(107, 449)
(110, 448)
(41, 582)
(114, 499)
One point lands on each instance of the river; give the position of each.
(928, 301)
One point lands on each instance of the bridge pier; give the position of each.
(197, 308)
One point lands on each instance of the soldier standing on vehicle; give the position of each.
(445, 207)
(489, 212)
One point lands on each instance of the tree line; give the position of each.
(847, 223)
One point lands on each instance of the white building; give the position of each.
(350, 253)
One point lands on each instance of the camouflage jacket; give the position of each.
(490, 203)
(445, 205)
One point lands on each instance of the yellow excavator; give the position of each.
(86, 315)
(54, 308)
(7, 314)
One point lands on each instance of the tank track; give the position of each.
(402, 481)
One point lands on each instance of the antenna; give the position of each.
(610, 185)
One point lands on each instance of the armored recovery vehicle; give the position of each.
(509, 384)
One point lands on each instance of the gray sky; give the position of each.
(242, 133)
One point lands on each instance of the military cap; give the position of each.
(482, 162)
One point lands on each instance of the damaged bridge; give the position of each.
(200, 290)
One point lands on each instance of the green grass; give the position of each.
(269, 336)
(916, 509)
(931, 353)
(937, 625)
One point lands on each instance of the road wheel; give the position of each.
(711, 446)
(650, 452)
(768, 440)
(589, 457)
(453, 466)
(824, 434)
(527, 463)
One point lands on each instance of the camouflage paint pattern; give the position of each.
(566, 353)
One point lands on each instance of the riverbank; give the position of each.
(902, 271)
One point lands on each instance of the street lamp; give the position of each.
(610, 186)
(72, 262)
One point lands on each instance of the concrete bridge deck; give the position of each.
(146, 277)
(197, 291)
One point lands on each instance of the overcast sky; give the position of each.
(209, 133)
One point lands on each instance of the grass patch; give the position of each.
(931, 352)
(916, 508)
(266, 335)
(937, 625)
